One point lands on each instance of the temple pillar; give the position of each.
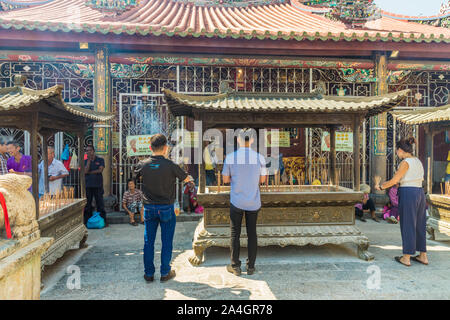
(102, 103)
(378, 129)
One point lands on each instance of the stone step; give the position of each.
(121, 217)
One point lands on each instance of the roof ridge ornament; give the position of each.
(112, 8)
(355, 13)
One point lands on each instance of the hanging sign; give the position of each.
(138, 145)
(190, 139)
(344, 141)
(280, 139)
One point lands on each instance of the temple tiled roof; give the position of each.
(427, 115)
(285, 21)
(19, 97)
(182, 105)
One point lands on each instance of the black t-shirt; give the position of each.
(94, 180)
(159, 179)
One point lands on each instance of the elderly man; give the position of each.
(56, 173)
(3, 156)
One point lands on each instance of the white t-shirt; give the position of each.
(414, 175)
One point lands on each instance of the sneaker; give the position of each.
(171, 275)
(236, 271)
(148, 279)
(250, 271)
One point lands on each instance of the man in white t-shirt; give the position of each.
(56, 173)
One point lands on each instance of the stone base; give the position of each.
(281, 236)
(438, 230)
(20, 271)
(76, 238)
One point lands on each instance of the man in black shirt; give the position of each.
(94, 183)
(159, 176)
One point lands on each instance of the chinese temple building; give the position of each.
(118, 56)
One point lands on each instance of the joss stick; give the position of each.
(218, 182)
(291, 180)
(442, 191)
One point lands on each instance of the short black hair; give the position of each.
(246, 134)
(13, 142)
(158, 141)
(90, 146)
(131, 180)
(3, 141)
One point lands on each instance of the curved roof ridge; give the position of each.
(413, 18)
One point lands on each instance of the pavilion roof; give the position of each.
(19, 97)
(428, 115)
(288, 20)
(183, 105)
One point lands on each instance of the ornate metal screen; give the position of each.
(77, 81)
(428, 89)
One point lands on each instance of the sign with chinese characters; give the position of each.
(190, 139)
(138, 145)
(280, 139)
(344, 141)
(379, 135)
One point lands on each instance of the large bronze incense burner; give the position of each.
(314, 215)
(290, 214)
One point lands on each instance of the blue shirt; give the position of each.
(245, 166)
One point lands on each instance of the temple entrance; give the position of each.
(139, 116)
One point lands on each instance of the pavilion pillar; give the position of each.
(378, 127)
(34, 160)
(81, 176)
(201, 165)
(102, 103)
(356, 153)
(45, 161)
(429, 158)
(333, 169)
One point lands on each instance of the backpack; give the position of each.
(96, 221)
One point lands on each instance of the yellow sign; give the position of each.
(344, 141)
(138, 145)
(190, 139)
(280, 139)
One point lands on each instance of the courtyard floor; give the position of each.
(112, 268)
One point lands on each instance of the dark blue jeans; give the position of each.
(155, 215)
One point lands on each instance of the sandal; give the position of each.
(416, 258)
(400, 261)
(134, 224)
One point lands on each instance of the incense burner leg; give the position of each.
(198, 257)
(83, 244)
(363, 253)
(431, 235)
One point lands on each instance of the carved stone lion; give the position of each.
(20, 204)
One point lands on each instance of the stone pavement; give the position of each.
(112, 268)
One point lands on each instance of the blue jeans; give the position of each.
(165, 216)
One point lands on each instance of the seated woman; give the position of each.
(133, 202)
(367, 204)
(190, 196)
(390, 210)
